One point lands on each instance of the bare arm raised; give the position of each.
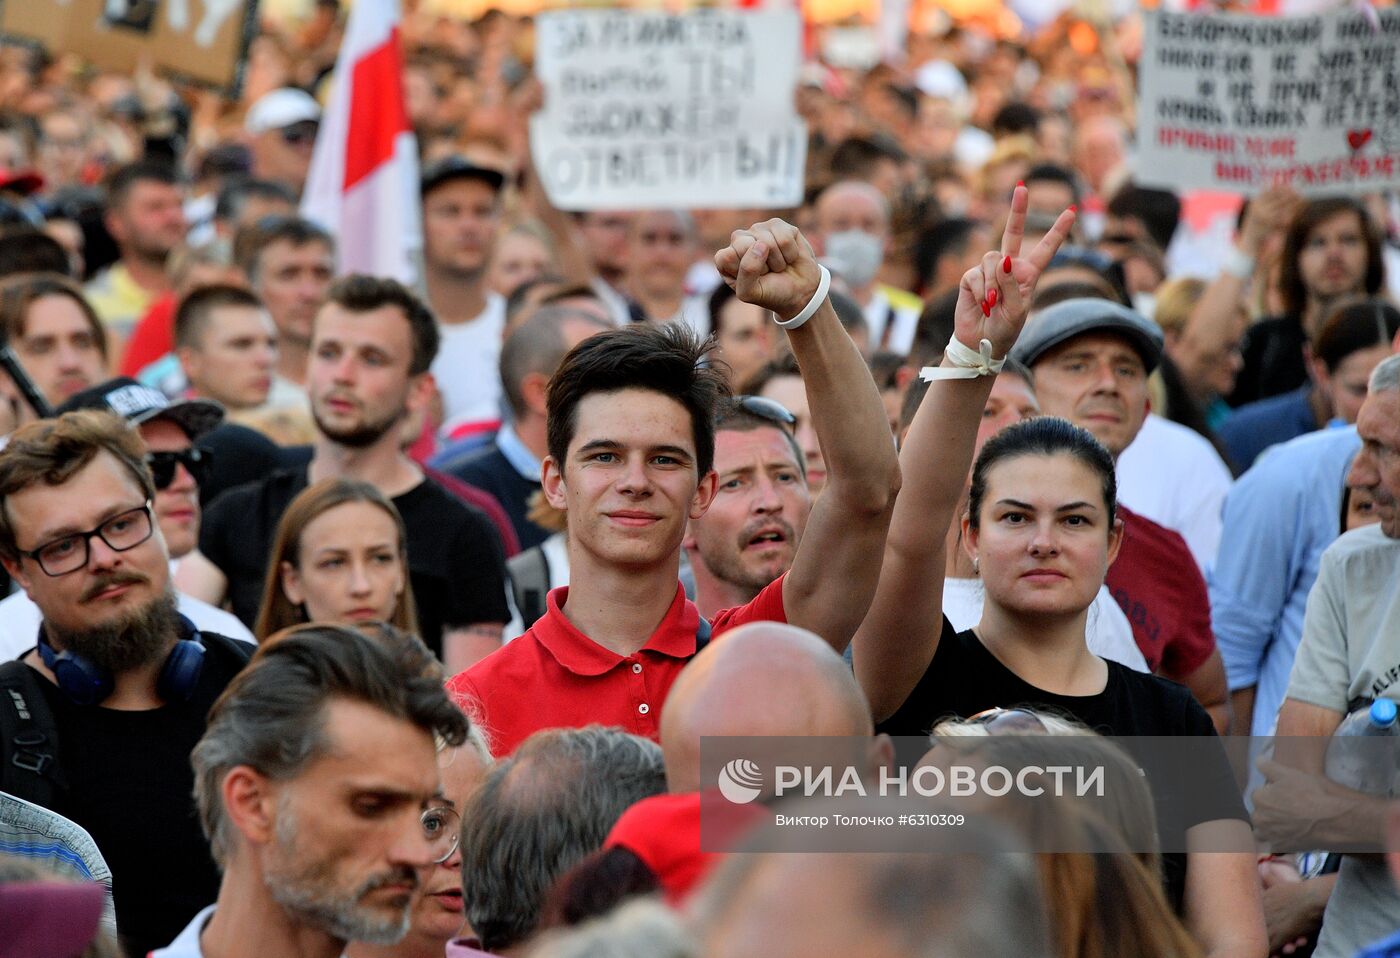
(897, 640)
(832, 578)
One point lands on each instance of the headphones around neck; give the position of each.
(87, 684)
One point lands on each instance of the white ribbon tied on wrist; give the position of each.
(966, 363)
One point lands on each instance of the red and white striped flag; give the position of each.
(363, 183)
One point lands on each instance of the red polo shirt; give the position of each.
(554, 676)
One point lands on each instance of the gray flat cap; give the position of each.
(1064, 321)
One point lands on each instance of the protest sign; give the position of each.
(650, 110)
(1239, 103)
(202, 41)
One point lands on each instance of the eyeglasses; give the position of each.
(765, 409)
(1015, 721)
(162, 465)
(442, 827)
(124, 531)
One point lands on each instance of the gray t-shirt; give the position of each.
(1351, 649)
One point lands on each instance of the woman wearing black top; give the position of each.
(1041, 531)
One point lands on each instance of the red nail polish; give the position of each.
(991, 300)
(1020, 182)
(1073, 208)
(1006, 265)
(986, 310)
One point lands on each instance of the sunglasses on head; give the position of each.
(766, 409)
(1014, 721)
(162, 465)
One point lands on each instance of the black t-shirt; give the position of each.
(456, 564)
(1273, 360)
(490, 471)
(130, 784)
(965, 678)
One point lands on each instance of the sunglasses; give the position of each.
(1015, 721)
(299, 133)
(765, 409)
(162, 465)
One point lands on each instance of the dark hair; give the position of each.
(1352, 327)
(272, 715)
(947, 238)
(250, 241)
(195, 311)
(29, 250)
(18, 293)
(123, 178)
(1159, 211)
(856, 157)
(597, 885)
(1309, 218)
(934, 329)
(359, 293)
(784, 365)
(720, 298)
(848, 312)
(663, 359)
(52, 451)
(1043, 436)
(539, 813)
(1015, 118)
(1053, 173)
(538, 346)
(731, 416)
(236, 194)
(1052, 293)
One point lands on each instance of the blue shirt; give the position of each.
(1278, 519)
(1253, 428)
(1386, 948)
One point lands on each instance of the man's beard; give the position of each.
(130, 641)
(367, 433)
(729, 566)
(307, 889)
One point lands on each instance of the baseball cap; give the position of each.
(1064, 321)
(138, 404)
(281, 108)
(21, 181)
(459, 168)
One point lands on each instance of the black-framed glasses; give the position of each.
(765, 408)
(162, 465)
(442, 827)
(124, 531)
(1015, 721)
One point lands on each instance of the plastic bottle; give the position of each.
(1355, 759)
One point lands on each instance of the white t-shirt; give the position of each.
(467, 366)
(1107, 631)
(1173, 476)
(20, 618)
(903, 323)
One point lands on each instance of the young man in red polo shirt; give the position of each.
(631, 448)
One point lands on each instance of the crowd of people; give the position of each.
(348, 617)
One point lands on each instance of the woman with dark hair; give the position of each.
(1041, 529)
(1352, 340)
(341, 555)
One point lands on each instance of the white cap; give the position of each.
(941, 80)
(281, 108)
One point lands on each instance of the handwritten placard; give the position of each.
(1239, 103)
(649, 110)
(203, 41)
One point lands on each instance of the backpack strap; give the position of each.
(529, 583)
(29, 766)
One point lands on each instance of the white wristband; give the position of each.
(966, 363)
(1238, 263)
(810, 310)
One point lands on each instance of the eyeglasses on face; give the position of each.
(121, 532)
(442, 827)
(162, 465)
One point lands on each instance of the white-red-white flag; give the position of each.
(363, 184)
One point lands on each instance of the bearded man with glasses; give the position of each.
(179, 469)
(99, 720)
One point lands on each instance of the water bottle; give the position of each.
(1355, 759)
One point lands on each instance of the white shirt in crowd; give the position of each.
(467, 366)
(902, 322)
(1173, 476)
(1107, 630)
(20, 618)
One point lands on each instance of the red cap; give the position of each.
(50, 919)
(664, 832)
(21, 181)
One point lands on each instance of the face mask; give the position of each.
(854, 255)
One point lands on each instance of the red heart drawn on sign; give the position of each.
(1356, 139)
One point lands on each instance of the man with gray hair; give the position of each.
(540, 813)
(1349, 657)
(317, 785)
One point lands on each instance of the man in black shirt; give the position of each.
(127, 680)
(372, 344)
